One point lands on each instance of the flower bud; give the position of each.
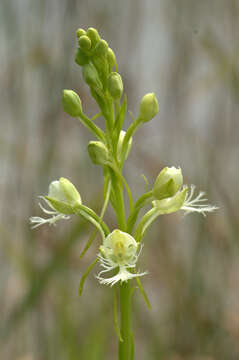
(84, 42)
(148, 107)
(98, 152)
(81, 58)
(111, 58)
(93, 35)
(63, 196)
(115, 85)
(71, 103)
(71, 193)
(80, 32)
(91, 76)
(101, 48)
(168, 182)
(120, 143)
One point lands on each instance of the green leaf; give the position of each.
(86, 273)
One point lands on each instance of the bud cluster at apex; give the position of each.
(99, 69)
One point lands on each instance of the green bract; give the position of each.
(71, 103)
(149, 107)
(120, 143)
(168, 182)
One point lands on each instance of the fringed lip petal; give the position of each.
(55, 216)
(197, 204)
(121, 276)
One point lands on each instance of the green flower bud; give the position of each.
(148, 107)
(115, 85)
(91, 76)
(71, 193)
(111, 58)
(168, 182)
(84, 42)
(101, 48)
(81, 58)
(172, 204)
(80, 32)
(63, 196)
(98, 152)
(71, 103)
(120, 143)
(93, 35)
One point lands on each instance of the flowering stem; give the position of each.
(125, 322)
(125, 292)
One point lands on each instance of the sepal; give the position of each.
(173, 204)
(168, 182)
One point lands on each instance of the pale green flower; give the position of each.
(119, 250)
(61, 199)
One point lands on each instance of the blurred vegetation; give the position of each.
(187, 53)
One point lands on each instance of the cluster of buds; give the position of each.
(97, 60)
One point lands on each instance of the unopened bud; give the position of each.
(93, 35)
(91, 76)
(81, 58)
(84, 42)
(101, 48)
(111, 58)
(168, 183)
(63, 196)
(98, 152)
(71, 193)
(149, 107)
(80, 32)
(115, 85)
(71, 103)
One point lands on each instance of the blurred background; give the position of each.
(187, 53)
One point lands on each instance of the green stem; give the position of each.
(120, 209)
(92, 127)
(125, 322)
(131, 130)
(142, 201)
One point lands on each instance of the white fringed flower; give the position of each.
(119, 250)
(61, 199)
(55, 216)
(197, 204)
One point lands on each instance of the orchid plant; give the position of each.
(120, 248)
